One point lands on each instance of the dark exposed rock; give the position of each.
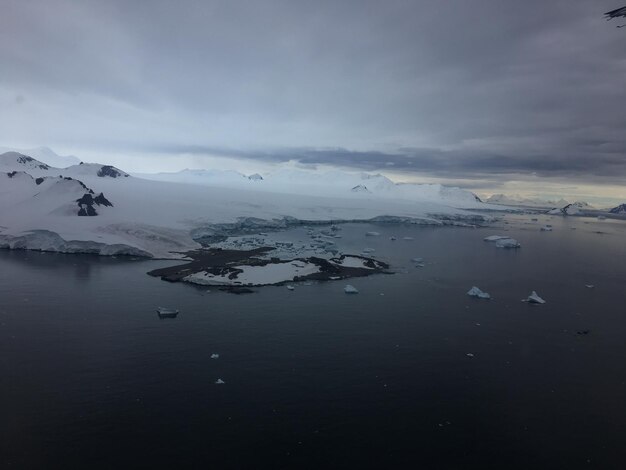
(102, 201)
(110, 171)
(12, 174)
(38, 181)
(87, 201)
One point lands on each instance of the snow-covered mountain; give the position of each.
(517, 200)
(98, 208)
(575, 208)
(45, 155)
(331, 183)
(621, 209)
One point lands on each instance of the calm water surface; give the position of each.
(91, 378)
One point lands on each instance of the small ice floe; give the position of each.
(417, 260)
(408, 238)
(546, 228)
(534, 298)
(507, 243)
(589, 286)
(476, 292)
(495, 238)
(215, 356)
(219, 382)
(166, 312)
(469, 355)
(368, 250)
(372, 234)
(393, 239)
(290, 287)
(349, 289)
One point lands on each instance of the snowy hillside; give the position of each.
(517, 200)
(45, 155)
(102, 205)
(621, 209)
(332, 183)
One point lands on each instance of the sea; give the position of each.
(410, 372)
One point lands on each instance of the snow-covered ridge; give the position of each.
(330, 183)
(517, 200)
(575, 208)
(621, 209)
(45, 155)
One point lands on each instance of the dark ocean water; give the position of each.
(314, 378)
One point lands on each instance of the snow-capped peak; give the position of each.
(95, 169)
(15, 161)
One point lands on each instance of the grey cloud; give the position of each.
(445, 88)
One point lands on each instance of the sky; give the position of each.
(491, 95)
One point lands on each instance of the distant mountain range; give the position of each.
(98, 208)
(517, 200)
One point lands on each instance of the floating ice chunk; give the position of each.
(534, 298)
(219, 382)
(507, 243)
(408, 238)
(368, 250)
(469, 355)
(476, 292)
(290, 287)
(495, 238)
(372, 234)
(546, 228)
(589, 286)
(350, 289)
(417, 260)
(215, 356)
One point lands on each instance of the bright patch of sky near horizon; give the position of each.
(497, 97)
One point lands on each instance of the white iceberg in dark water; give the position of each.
(215, 356)
(495, 238)
(372, 234)
(349, 289)
(534, 298)
(476, 292)
(219, 382)
(507, 243)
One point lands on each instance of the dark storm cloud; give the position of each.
(442, 87)
(445, 164)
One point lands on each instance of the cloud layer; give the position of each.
(445, 88)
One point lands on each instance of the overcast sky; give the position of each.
(484, 91)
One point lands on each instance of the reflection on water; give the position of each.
(91, 378)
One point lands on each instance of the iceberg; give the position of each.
(495, 238)
(215, 356)
(476, 292)
(534, 298)
(507, 243)
(372, 234)
(219, 382)
(349, 289)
